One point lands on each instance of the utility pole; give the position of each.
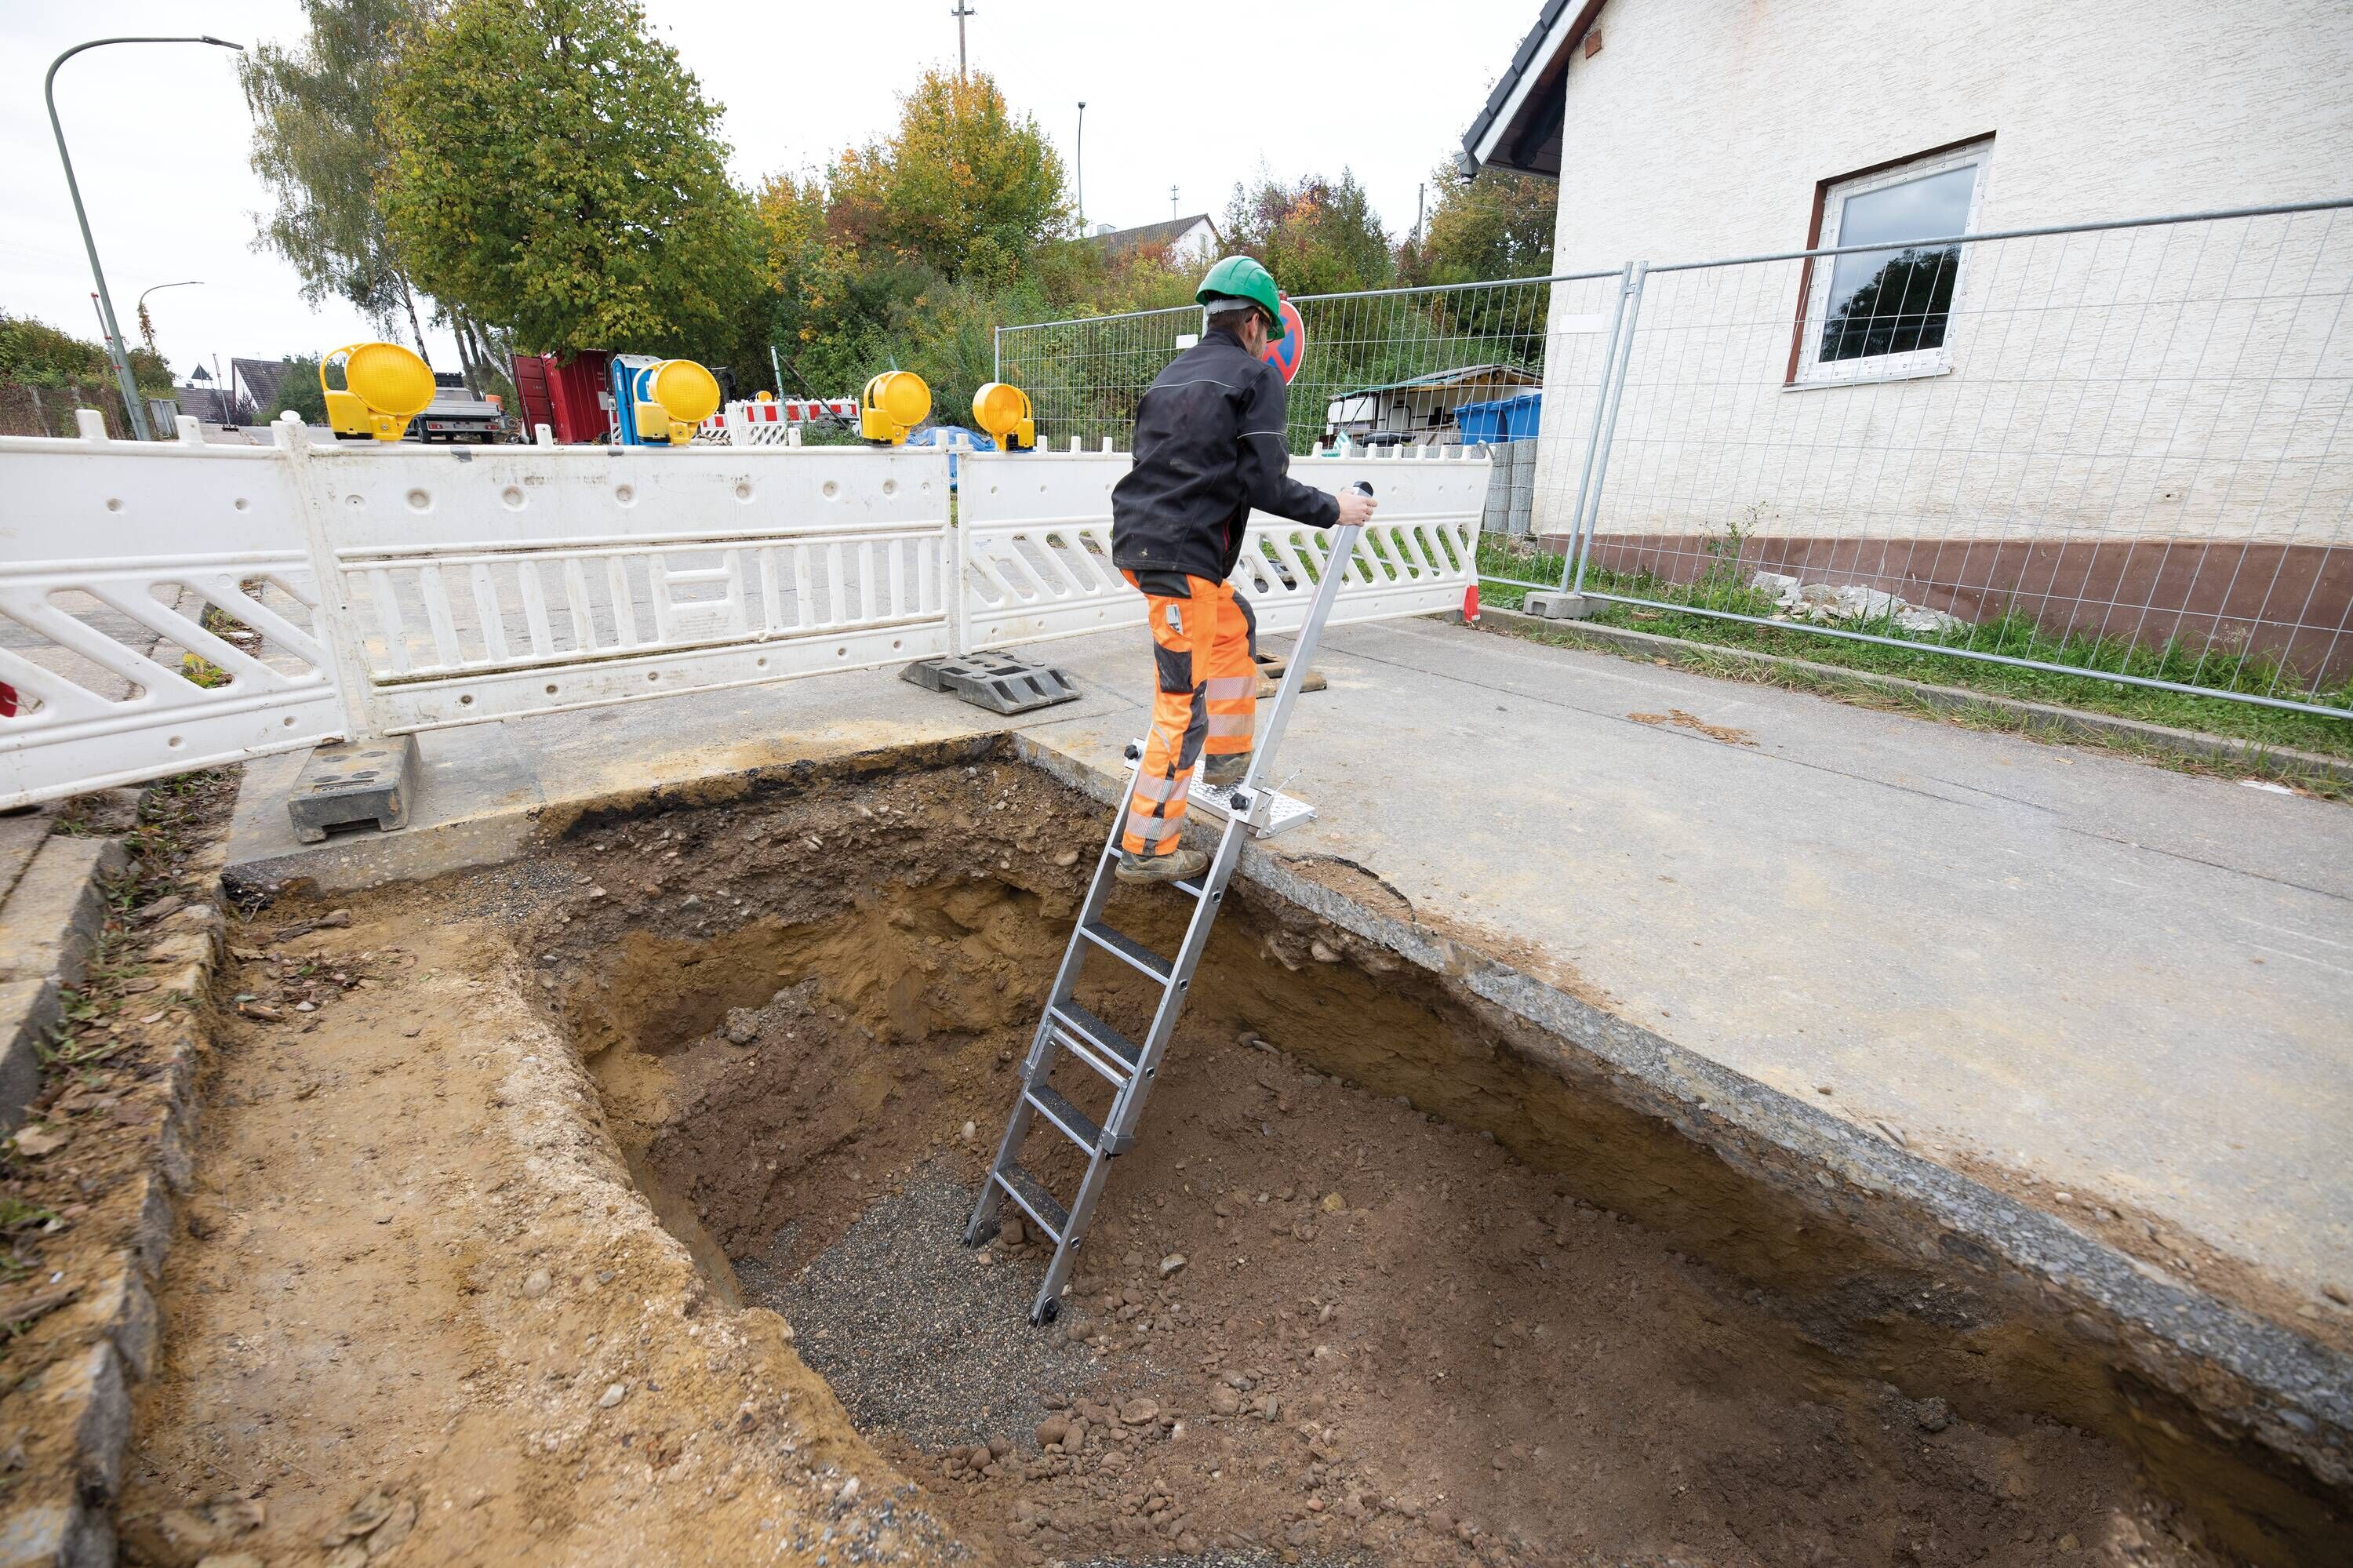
(130, 386)
(1081, 177)
(1172, 201)
(960, 13)
(1420, 194)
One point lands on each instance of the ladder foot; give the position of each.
(1042, 1316)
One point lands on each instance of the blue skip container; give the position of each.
(1503, 419)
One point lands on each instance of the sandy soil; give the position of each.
(420, 1315)
(456, 1284)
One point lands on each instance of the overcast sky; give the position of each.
(159, 133)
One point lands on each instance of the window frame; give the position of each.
(1807, 370)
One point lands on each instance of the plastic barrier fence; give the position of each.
(1035, 534)
(171, 605)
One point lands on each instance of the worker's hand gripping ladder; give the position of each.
(1067, 1028)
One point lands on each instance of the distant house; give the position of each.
(1189, 242)
(257, 380)
(209, 404)
(1420, 411)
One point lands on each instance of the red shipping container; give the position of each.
(565, 396)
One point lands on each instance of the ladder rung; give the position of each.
(1126, 947)
(1095, 1042)
(1075, 1124)
(1038, 1203)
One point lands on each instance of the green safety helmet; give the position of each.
(1242, 278)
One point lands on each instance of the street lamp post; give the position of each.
(131, 404)
(146, 332)
(1082, 179)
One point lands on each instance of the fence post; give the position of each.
(997, 354)
(1613, 388)
(1593, 430)
(344, 645)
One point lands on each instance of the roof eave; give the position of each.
(1518, 128)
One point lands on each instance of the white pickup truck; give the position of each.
(457, 415)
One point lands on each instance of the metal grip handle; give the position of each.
(1362, 487)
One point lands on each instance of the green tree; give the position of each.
(1494, 225)
(298, 391)
(1316, 235)
(557, 172)
(35, 354)
(318, 146)
(963, 185)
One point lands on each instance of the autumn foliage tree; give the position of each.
(1316, 235)
(962, 185)
(557, 172)
(907, 252)
(1492, 226)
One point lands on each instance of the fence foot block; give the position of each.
(1559, 606)
(998, 682)
(354, 781)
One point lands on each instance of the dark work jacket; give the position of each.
(1209, 447)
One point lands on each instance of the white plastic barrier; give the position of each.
(111, 553)
(1035, 536)
(536, 580)
(380, 590)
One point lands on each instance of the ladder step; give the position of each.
(1075, 1124)
(1127, 949)
(1038, 1204)
(1093, 1042)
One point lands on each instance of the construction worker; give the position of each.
(1208, 447)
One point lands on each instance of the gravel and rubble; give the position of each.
(1838, 604)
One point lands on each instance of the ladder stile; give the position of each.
(1066, 1027)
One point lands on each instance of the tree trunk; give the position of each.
(414, 325)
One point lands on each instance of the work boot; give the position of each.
(1225, 772)
(1143, 870)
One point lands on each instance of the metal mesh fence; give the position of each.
(1398, 367)
(2116, 449)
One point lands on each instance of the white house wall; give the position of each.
(2187, 383)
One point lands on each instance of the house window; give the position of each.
(1887, 312)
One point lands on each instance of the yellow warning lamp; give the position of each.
(674, 396)
(1003, 411)
(384, 387)
(896, 401)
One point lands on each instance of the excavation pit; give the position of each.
(1391, 1275)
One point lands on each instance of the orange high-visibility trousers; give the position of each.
(1205, 701)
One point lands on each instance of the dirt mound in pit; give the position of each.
(1317, 1322)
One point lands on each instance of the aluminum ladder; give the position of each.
(1068, 1028)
